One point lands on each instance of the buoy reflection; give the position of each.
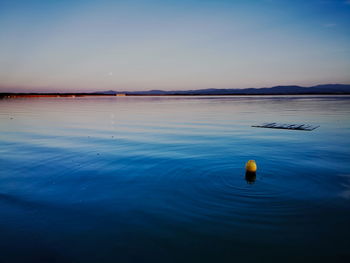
(250, 177)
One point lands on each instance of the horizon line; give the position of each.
(161, 90)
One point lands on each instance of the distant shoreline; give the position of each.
(74, 95)
(323, 89)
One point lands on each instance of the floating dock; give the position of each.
(286, 126)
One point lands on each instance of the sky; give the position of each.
(85, 46)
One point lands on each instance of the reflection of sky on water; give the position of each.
(346, 185)
(153, 177)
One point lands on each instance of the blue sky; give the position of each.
(87, 45)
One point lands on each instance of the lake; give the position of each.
(162, 179)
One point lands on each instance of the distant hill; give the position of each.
(283, 90)
(277, 90)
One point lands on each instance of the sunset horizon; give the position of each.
(61, 46)
(43, 91)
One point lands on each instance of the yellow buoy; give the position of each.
(250, 166)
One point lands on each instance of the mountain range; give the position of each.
(276, 90)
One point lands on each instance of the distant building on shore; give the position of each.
(120, 94)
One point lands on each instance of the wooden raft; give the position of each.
(298, 127)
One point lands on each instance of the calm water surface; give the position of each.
(161, 179)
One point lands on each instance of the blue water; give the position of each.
(161, 179)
